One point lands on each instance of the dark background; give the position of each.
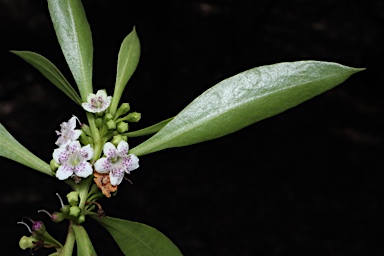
(306, 182)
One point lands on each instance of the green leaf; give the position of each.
(51, 72)
(84, 244)
(244, 99)
(135, 238)
(149, 130)
(74, 35)
(12, 149)
(67, 249)
(128, 60)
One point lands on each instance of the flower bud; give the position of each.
(133, 117)
(99, 122)
(116, 139)
(58, 217)
(74, 211)
(73, 198)
(84, 139)
(38, 227)
(108, 117)
(27, 242)
(85, 128)
(123, 109)
(111, 125)
(81, 219)
(122, 127)
(54, 165)
(65, 209)
(125, 138)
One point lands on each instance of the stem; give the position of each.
(67, 249)
(97, 143)
(83, 189)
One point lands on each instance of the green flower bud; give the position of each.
(58, 217)
(84, 139)
(125, 138)
(27, 242)
(116, 139)
(81, 219)
(111, 125)
(85, 128)
(65, 209)
(73, 198)
(54, 165)
(133, 117)
(108, 117)
(99, 122)
(122, 127)
(123, 109)
(74, 211)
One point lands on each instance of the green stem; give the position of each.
(83, 189)
(97, 143)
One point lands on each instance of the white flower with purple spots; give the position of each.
(117, 162)
(67, 132)
(97, 102)
(73, 160)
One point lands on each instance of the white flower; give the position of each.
(73, 160)
(116, 162)
(68, 132)
(97, 102)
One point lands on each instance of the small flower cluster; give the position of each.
(75, 147)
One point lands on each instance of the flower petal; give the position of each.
(122, 148)
(133, 162)
(110, 150)
(116, 176)
(64, 172)
(60, 155)
(84, 169)
(103, 165)
(76, 134)
(87, 152)
(74, 146)
(101, 93)
(72, 123)
(88, 107)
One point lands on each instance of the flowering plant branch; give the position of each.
(94, 158)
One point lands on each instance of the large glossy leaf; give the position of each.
(51, 72)
(244, 99)
(127, 62)
(12, 149)
(74, 35)
(150, 129)
(83, 243)
(135, 238)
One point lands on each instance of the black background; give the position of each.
(306, 182)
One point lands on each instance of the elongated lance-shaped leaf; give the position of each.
(74, 35)
(51, 72)
(135, 238)
(244, 99)
(127, 62)
(149, 130)
(83, 243)
(10, 148)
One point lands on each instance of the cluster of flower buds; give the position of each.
(71, 212)
(39, 237)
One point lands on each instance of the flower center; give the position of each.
(75, 159)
